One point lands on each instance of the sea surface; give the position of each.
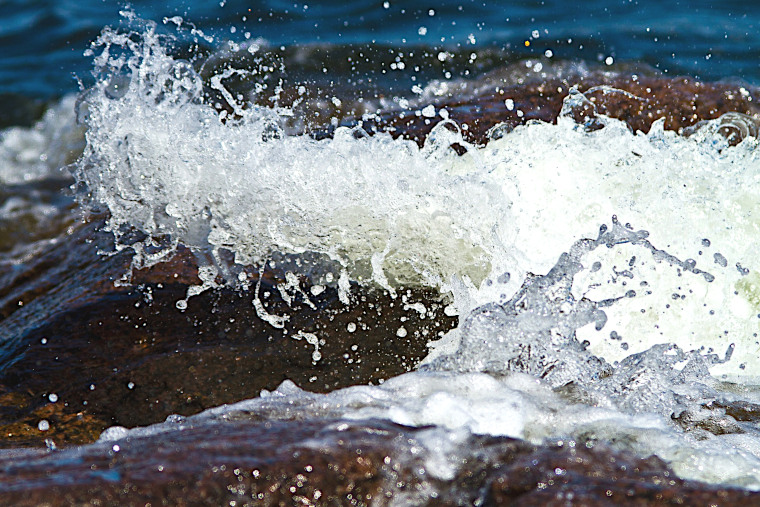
(599, 261)
(41, 42)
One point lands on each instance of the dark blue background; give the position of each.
(41, 41)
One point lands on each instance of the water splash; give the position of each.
(166, 163)
(383, 211)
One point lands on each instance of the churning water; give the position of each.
(606, 281)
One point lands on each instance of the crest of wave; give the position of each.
(168, 165)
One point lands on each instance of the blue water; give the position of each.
(42, 41)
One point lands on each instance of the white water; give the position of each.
(390, 213)
(29, 154)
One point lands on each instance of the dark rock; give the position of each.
(128, 356)
(739, 410)
(636, 99)
(334, 462)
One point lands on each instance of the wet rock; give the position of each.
(578, 475)
(739, 410)
(637, 99)
(127, 356)
(335, 462)
(709, 421)
(497, 95)
(26, 212)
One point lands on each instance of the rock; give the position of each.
(636, 99)
(127, 356)
(336, 462)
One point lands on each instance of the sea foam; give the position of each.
(389, 213)
(601, 275)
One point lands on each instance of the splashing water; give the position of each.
(165, 162)
(617, 340)
(391, 213)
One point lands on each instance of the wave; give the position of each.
(605, 278)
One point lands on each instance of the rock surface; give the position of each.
(334, 462)
(126, 355)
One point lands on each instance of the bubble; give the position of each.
(43, 425)
(113, 433)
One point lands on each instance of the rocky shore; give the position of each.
(81, 354)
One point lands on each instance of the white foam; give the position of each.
(39, 152)
(681, 191)
(390, 213)
(169, 165)
(393, 213)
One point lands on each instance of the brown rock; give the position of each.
(128, 356)
(334, 462)
(635, 98)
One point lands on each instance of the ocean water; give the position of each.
(41, 42)
(617, 266)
